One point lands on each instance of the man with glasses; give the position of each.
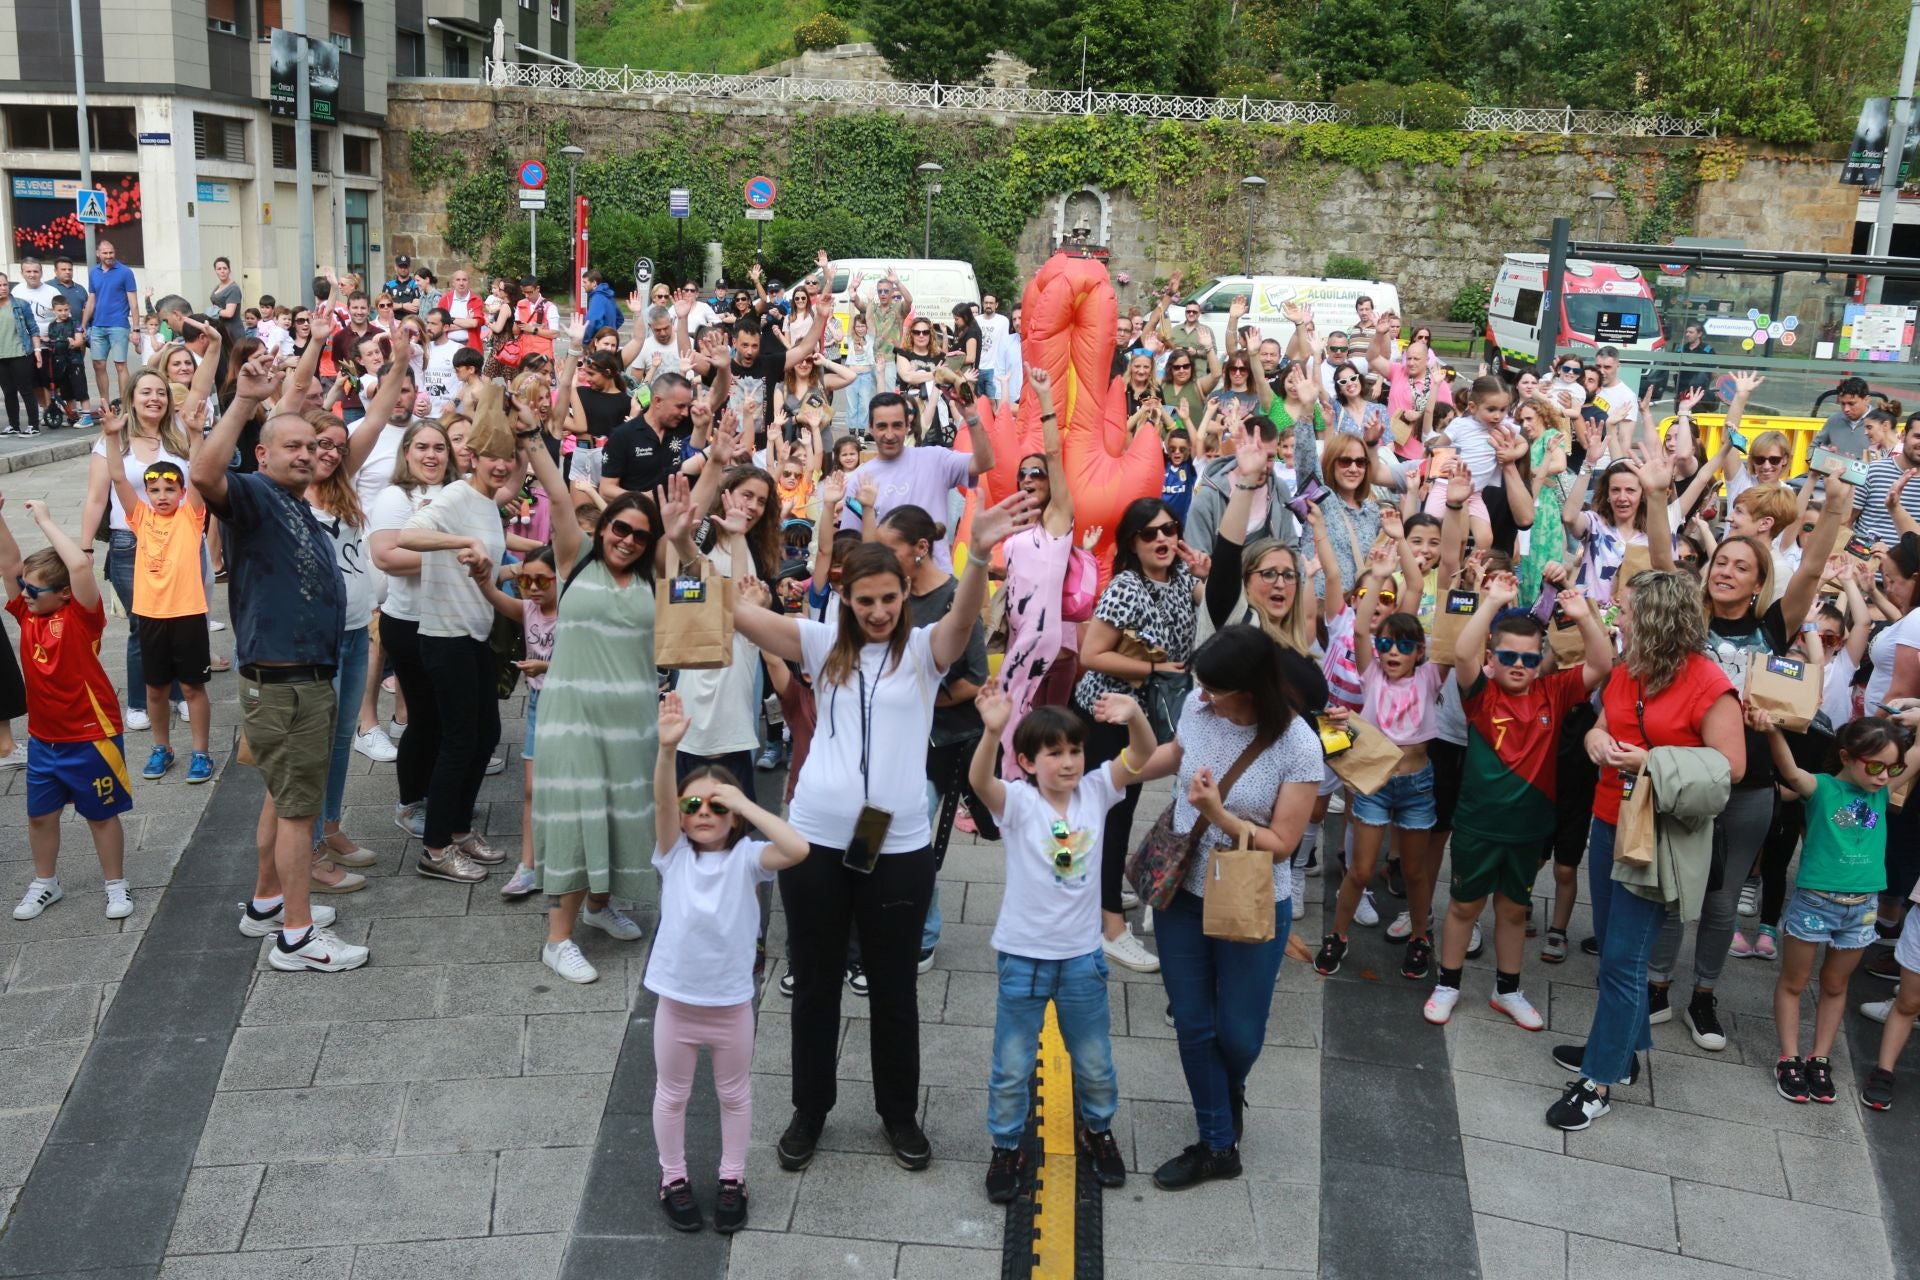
(887, 317)
(1845, 432)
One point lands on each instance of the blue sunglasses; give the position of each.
(1387, 644)
(1514, 658)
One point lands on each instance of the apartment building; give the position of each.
(185, 139)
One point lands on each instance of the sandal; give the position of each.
(1554, 949)
(347, 881)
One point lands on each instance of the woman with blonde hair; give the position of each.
(1545, 429)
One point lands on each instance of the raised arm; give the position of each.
(773, 634)
(1470, 650)
(995, 708)
(991, 527)
(1511, 448)
(670, 725)
(209, 466)
(1058, 517)
(85, 587)
(112, 427)
(1791, 775)
(10, 558)
(1801, 588)
(566, 530)
(293, 392)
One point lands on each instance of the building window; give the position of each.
(283, 153)
(343, 24)
(33, 128)
(269, 17)
(223, 16)
(557, 11)
(454, 62)
(359, 154)
(113, 129)
(219, 138)
(409, 54)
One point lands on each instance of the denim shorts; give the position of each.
(533, 708)
(1812, 916)
(108, 344)
(1406, 802)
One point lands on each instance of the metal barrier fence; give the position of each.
(1057, 102)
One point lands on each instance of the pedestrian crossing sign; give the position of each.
(90, 208)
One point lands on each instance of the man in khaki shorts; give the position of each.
(292, 611)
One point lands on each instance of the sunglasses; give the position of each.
(1337, 351)
(1880, 768)
(1062, 834)
(1350, 462)
(1033, 473)
(1156, 532)
(537, 581)
(1174, 368)
(1574, 369)
(32, 592)
(621, 529)
(1774, 461)
(1271, 576)
(1514, 658)
(923, 333)
(690, 805)
(1389, 644)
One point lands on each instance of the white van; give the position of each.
(1602, 304)
(937, 285)
(1332, 302)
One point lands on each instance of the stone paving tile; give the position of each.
(870, 1197)
(1572, 1195)
(373, 1201)
(538, 1189)
(935, 1262)
(531, 988)
(1512, 1250)
(512, 1258)
(1504, 1051)
(21, 1133)
(39, 1075)
(273, 1057)
(301, 1124)
(73, 962)
(490, 1115)
(370, 994)
(42, 1017)
(1715, 1089)
(1214, 1226)
(308, 1264)
(1589, 1258)
(448, 1049)
(213, 1213)
(1836, 1174)
(1680, 1145)
(1802, 1240)
(573, 1043)
(774, 1255)
(1506, 1111)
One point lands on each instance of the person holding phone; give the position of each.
(875, 678)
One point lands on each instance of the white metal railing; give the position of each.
(1056, 102)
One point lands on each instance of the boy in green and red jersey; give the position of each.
(1514, 711)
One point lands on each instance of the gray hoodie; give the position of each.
(1210, 494)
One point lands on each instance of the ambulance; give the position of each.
(1600, 305)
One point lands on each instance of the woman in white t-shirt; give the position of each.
(860, 801)
(461, 538)
(419, 471)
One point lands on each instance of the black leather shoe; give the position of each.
(1197, 1164)
(911, 1150)
(798, 1142)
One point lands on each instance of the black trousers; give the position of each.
(1105, 742)
(460, 670)
(16, 384)
(420, 744)
(824, 902)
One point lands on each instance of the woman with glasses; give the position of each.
(1184, 391)
(916, 363)
(1545, 430)
(1137, 644)
(1236, 385)
(1353, 413)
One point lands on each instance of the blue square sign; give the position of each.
(90, 208)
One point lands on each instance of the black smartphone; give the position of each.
(869, 835)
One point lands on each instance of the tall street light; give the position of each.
(1602, 197)
(573, 155)
(930, 175)
(1254, 187)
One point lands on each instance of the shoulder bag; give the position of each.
(1158, 866)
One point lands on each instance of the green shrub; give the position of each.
(1344, 266)
(822, 31)
(509, 256)
(1433, 105)
(1469, 305)
(1370, 101)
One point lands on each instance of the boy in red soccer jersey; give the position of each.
(73, 715)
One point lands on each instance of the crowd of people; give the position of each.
(1500, 624)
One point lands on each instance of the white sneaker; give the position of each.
(1402, 927)
(1146, 921)
(119, 904)
(1299, 890)
(612, 921)
(376, 746)
(1475, 944)
(322, 952)
(497, 764)
(1873, 1010)
(1128, 899)
(181, 707)
(1439, 1007)
(1749, 898)
(214, 624)
(1337, 802)
(40, 895)
(395, 729)
(268, 925)
(1365, 913)
(137, 718)
(15, 759)
(1126, 950)
(564, 958)
(1516, 1006)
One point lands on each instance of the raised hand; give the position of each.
(255, 382)
(1459, 483)
(1574, 604)
(672, 722)
(1091, 537)
(1249, 458)
(675, 503)
(1116, 708)
(637, 303)
(1653, 467)
(1508, 445)
(1198, 563)
(1038, 378)
(999, 522)
(1500, 589)
(1692, 397)
(752, 591)
(734, 517)
(994, 706)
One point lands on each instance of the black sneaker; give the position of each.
(1658, 1010)
(1333, 949)
(857, 980)
(1571, 1056)
(798, 1142)
(1879, 1091)
(1006, 1174)
(1418, 962)
(1704, 1023)
(786, 984)
(1237, 1104)
(1883, 965)
(1790, 1078)
(1197, 1164)
(1578, 1107)
(676, 1201)
(1396, 879)
(1820, 1080)
(730, 1208)
(911, 1150)
(1109, 1170)
(1589, 946)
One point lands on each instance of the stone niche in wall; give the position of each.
(1083, 219)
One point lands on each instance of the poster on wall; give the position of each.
(323, 76)
(1876, 332)
(44, 223)
(1869, 150)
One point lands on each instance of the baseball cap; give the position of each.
(402, 260)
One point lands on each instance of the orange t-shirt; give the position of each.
(166, 569)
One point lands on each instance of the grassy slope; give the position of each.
(723, 35)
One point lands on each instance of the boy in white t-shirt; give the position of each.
(1048, 935)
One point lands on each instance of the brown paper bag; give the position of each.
(1130, 645)
(1563, 635)
(1636, 559)
(1902, 788)
(1786, 688)
(1449, 620)
(1239, 898)
(1633, 839)
(692, 614)
(1369, 762)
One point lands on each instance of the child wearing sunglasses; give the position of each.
(1047, 939)
(701, 967)
(1514, 708)
(1843, 871)
(536, 607)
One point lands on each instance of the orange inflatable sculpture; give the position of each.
(1068, 320)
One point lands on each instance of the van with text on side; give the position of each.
(936, 285)
(1600, 304)
(1331, 301)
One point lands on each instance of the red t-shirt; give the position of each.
(1673, 717)
(69, 697)
(1508, 779)
(473, 309)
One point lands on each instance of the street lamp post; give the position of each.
(1603, 197)
(1254, 186)
(930, 175)
(573, 155)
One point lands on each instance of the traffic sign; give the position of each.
(643, 272)
(90, 208)
(533, 175)
(534, 200)
(759, 215)
(679, 202)
(761, 192)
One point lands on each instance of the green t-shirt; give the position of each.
(1846, 844)
(889, 322)
(1281, 419)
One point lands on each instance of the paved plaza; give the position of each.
(173, 1108)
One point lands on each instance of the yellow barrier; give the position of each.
(1799, 432)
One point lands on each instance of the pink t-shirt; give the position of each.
(922, 476)
(1403, 709)
(539, 626)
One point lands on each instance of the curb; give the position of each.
(41, 455)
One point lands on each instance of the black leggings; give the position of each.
(1105, 742)
(460, 670)
(16, 384)
(420, 744)
(1783, 837)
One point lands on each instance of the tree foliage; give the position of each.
(923, 42)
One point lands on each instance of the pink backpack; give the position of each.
(1080, 589)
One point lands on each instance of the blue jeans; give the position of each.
(1221, 993)
(987, 385)
(1600, 838)
(1078, 989)
(349, 679)
(859, 395)
(930, 931)
(1620, 1028)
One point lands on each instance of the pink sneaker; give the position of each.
(1741, 948)
(963, 821)
(1764, 946)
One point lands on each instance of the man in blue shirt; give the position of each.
(112, 302)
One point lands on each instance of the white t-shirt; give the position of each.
(1622, 404)
(136, 470)
(828, 797)
(376, 473)
(1905, 632)
(668, 351)
(356, 566)
(719, 702)
(392, 509)
(702, 316)
(1836, 689)
(438, 379)
(41, 300)
(1048, 914)
(451, 602)
(709, 918)
(993, 331)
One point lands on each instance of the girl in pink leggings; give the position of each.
(702, 964)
